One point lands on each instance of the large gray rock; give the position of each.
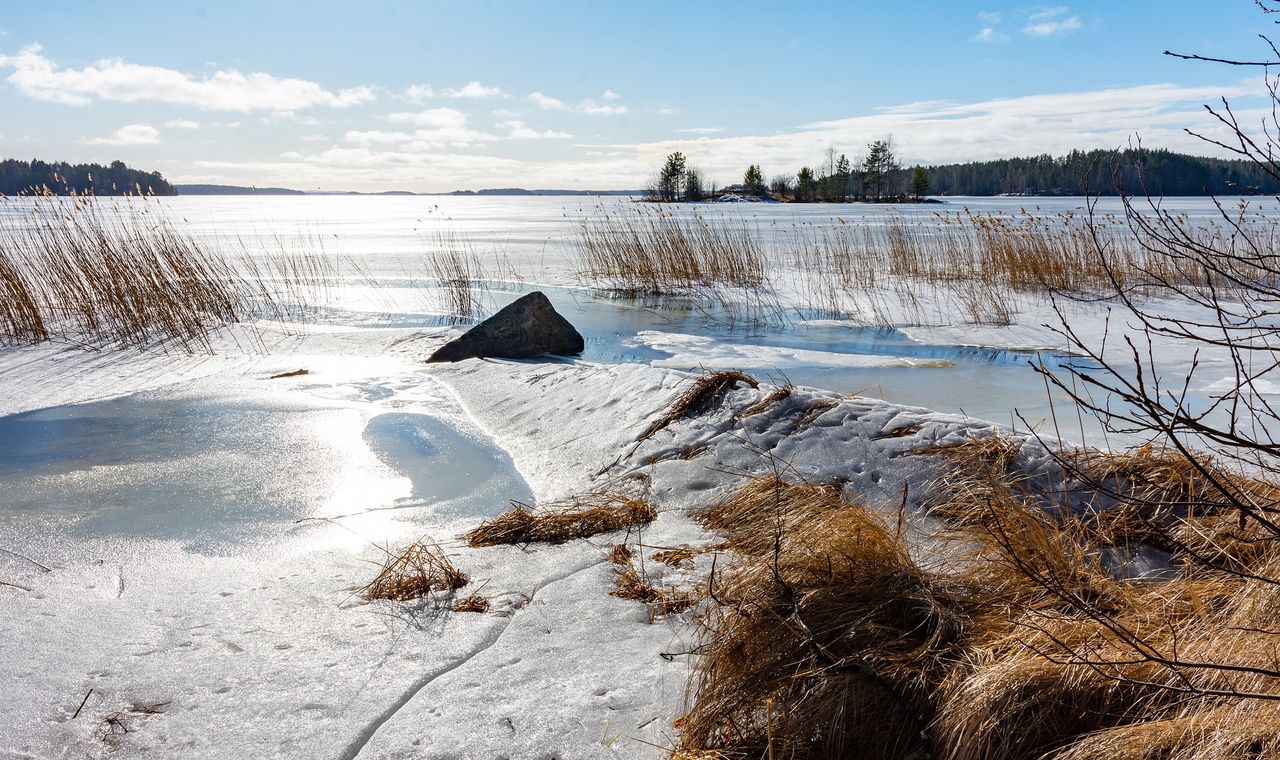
(528, 326)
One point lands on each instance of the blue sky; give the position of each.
(435, 96)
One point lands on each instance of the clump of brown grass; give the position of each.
(704, 394)
(780, 393)
(977, 472)
(676, 556)
(471, 603)
(414, 572)
(579, 517)
(633, 583)
(829, 639)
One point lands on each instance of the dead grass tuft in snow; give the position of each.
(631, 582)
(579, 517)
(780, 393)
(414, 572)
(471, 603)
(1007, 637)
(676, 556)
(702, 396)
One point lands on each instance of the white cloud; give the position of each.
(701, 130)
(589, 106)
(925, 132)
(604, 109)
(1051, 22)
(518, 130)
(115, 79)
(990, 34)
(547, 103)
(421, 139)
(418, 93)
(133, 134)
(473, 90)
(182, 124)
(432, 117)
(314, 138)
(667, 110)
(276, 117)
(990, 17)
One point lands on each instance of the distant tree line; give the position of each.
(1097, 172)
(39, 177)
(876, 176)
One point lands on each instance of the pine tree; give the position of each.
(919, 183)
(753, 180)
(805, 184)
(671, 178)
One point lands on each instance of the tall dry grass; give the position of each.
(1005, 635)
(459, 274)
(121, 273)
(655, 252)
(977, 265)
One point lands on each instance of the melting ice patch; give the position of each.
(697, 351)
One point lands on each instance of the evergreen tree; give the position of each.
(671, 178)
(806, 185)
(694, 189)
(753, 180)
(919, 182)
(878, 168)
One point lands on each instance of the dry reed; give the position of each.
(579, 517)
(91, 272)
(654, 252)
(633, 583)
(414, 572)
(701, 397)
(471, 603)
(459, 274)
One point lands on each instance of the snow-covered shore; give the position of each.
(262, 648)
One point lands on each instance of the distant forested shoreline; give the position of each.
(37, 177)
(1098, 172)
(875, 176)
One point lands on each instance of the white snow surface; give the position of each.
(264, 649)
(692, 352)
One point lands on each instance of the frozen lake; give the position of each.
(192, 468)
